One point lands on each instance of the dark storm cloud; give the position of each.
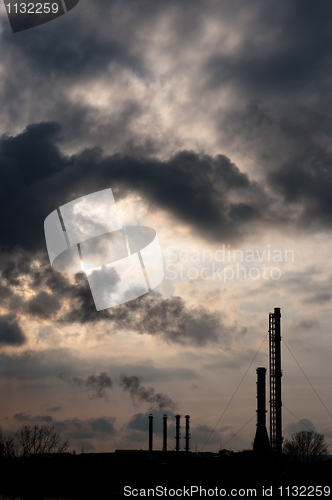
(176, 323)
(26, 161)
(196, 189)
(168, 318)
(140, 394)
(97, 36)
(11, 333)
(43, 305)
(263, 60)
(280, 53)
(151, 314)
(70, 52)
(96, 385)
(284, 50)
(50, 288)
(302, 173)
(291, 152)
(208, 193)
(83, 50)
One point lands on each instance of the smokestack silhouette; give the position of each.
(261, 442)
(177, 437)
(150, 432)
(187, 417)
(275, 381)
(165, 432)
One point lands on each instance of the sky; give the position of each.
(210, 120)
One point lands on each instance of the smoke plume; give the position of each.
(140, 394)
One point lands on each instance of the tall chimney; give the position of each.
(275, 382)
(165, 432)
(177, 437)
(187, 417)
(261, 442)
(150, 432)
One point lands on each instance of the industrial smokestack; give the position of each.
(261, 442)
(275, 382)
(150, 432)
(187, 417)
(165, 432)
(177, 436)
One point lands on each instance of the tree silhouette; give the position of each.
(306, 447)
(38, 439)
(9, 445)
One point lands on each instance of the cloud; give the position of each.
(92, 428)
(96, 385)
(24, 417)
(307, 324)
(11, 333)
(141, 394)
(27, 160)
(65, 301)
(208, 193)
(82, 433)
(54, 408)
(141, 97)
(152, 314)
(40, 364)
(62, 363)
(140, 422)
(327, 431)
(319, 298)
(292, 156)
(304, 424)
(43, 305)
(176, 323)
(198, 189)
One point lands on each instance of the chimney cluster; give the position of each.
(177, 436)
(261, 443)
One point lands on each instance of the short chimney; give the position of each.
(165, 432)
(187, 417)
(150, 432)
(177, 436)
